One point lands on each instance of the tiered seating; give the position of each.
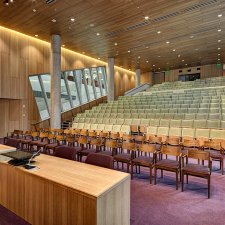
(204, 108)
(208, 82)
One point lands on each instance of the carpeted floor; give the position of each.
(161, 204)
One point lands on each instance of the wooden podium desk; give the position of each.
(5, 149)
(64, 192)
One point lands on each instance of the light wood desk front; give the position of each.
(64, 192)
(5, 149)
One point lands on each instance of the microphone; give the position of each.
(29, 165)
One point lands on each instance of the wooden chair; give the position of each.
(144, 158)
(27, 139)
(95, 146)
(174, 141)
(216, 152)
(197, 170)
(110, 148)
(59, 140)
(127, 154)
(169, 164)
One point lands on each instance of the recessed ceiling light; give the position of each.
(99, 58)
(36, 35)
(63, 45)
(97, 34)
(219, 30)
(146, 17)
(139, 57)
(34, 10)
(178, 56)
(159, 68)
(128, 51)
(146, 47)
(218, 59)
(147, 61)
(219, 54)
(186, 64)
(159, 56)
(167, 42)
(182, 60)
(192, 36)
(159, 32)
(219, 48)
(219, 40)
(72, 19)
(196, 49)
(91, 25)
(220, 15)
(153, 65)
(53, 20)
(115, 44)
(174, 50)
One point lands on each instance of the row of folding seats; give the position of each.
(186, 132)
(201, 123)
(173, 115)
(103, 127)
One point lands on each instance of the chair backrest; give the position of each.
(127, 137)
(147, 148)
(111, 143)
(153, 139)
(96, 142)
(173, 141)
(213, 144)
(129, 146)
(65, 152)
(139, 138)
(100, 160)
(198, 154)
(82, 140)
(191, 143)
(92, 134)
(84, 132)
(171, 150)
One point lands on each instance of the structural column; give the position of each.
(55, 69)
(138, 77)
(110, 79)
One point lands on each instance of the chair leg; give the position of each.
(122, 165)
(176, 180)
(182, 181)
(187, 178)
(128, 167)
(155, 174)
(222, 166)
(132, 165)
(209, 187)
(150, 175)
(161, 173)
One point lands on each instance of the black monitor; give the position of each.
(18, 157)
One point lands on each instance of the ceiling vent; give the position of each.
(50, 1)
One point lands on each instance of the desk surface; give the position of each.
(6, 148)
(85, 178)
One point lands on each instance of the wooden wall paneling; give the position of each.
(147, 78)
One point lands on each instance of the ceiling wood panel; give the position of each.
(122, 21)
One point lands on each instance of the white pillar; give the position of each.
(138, 77)
(55, 69)
(110, 79)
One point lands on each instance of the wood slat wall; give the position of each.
(205, 71)
(21, 56)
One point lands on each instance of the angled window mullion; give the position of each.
(92, 81)
(99, 82)
(104, 76)
(45, 95)
(68, 90)
(78, 89)
(85, 84)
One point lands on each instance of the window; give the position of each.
(39, 97)
(72, 88)
(89, 83)
(81, 86)
(46, 82)
(97, 85)
(102, 79)
(77, 87)
(65, 98)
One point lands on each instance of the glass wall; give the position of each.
(77, 87)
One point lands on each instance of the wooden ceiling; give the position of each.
(188, 29)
